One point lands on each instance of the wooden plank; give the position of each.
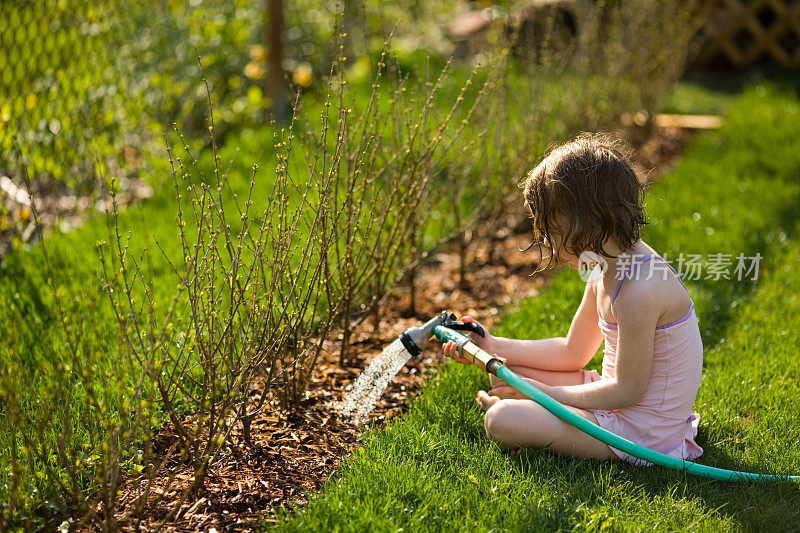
(695, 122)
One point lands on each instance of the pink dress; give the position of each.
(663, 419)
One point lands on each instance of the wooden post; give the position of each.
(353, 27)
(276, 86)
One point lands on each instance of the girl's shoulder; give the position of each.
(655, 288)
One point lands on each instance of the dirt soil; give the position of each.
(294, 452)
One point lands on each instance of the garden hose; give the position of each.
(443, 328)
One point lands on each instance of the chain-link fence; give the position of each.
(63, 121)
(85, 84)
(59, 93)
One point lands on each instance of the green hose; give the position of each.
(497, 368)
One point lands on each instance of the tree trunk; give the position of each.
(353, 23)
(276, 85)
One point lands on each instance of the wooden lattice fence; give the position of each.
(745, 32)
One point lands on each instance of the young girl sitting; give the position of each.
(586, 202)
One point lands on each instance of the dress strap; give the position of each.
(628, 271)
(677, 276)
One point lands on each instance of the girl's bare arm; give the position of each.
(559, 353)
(637, 316)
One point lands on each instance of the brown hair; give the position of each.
(591, 183)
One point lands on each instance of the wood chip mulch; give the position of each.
(294, 452)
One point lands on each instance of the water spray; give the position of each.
(445, 327)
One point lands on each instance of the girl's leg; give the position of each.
(516, 423)
(548, 377)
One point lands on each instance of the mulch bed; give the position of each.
(294, 452)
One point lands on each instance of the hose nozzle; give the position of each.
(416, 338)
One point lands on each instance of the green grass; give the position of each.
(434, 469)
(704, 94)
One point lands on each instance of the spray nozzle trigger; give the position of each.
(454, 324)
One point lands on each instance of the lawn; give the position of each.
(737, 190)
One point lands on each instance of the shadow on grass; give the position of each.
(753, 505)
(732, 84)
(712, 92)
(750, 505)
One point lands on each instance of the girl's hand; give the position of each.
(486, 343)
(504, 390)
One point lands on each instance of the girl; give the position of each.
(586, 202)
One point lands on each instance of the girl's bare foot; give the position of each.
(485, 400)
